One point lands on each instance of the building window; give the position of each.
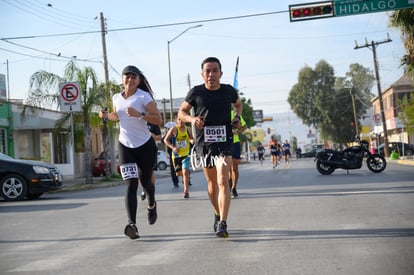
(60, 152)
(3, 141)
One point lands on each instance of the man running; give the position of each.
(212, 103)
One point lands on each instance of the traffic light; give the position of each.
(315, 10)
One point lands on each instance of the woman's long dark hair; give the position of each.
(144, 84)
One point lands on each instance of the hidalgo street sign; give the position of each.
(354, 7)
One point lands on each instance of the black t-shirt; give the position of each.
(214, 106)
(260, 150)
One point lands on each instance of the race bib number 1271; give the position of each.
(129, 171)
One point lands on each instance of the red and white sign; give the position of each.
(70, 97)
(376, 118)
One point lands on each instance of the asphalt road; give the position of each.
(288, 220)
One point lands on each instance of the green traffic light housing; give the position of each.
(314, 10)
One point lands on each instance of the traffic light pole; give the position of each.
(373, 46)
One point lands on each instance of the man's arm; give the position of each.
(238, 108)
(183, 114)
(168, 136)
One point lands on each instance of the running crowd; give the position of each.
(277, 151)
(215, 141)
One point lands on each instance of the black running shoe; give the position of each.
(216, 222)
(222, 230)
(152, 214)
(143, 196)
(186, 195)
(234, 193)
(131, 231)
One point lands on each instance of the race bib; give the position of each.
(215, 133)
(129, 171)
(181, 144)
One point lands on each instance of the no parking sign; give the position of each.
(70, 97)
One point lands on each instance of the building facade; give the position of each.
(391, 97)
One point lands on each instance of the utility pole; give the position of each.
(105, 132)
(354, 111)
(373, 45)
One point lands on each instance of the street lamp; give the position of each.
(169, 66)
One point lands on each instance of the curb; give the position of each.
(405, 162)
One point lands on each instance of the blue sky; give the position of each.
(271, 49)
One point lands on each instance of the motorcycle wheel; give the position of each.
(376, 163)
(323, 168)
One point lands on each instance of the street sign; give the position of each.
(355, 7)
(258, 116)
(70, 97)
(376, 118)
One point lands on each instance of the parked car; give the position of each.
(397, 146)
(163, 160)
(98, 168)
(318, 146)
(311, 153)
(27, 178)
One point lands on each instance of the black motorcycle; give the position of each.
(351, 158)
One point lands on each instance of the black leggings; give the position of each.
(144, 157)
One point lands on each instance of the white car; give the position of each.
(163, 160)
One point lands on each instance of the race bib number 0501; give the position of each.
(129, 171)
(215, 133)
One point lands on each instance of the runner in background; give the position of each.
(180, 151)
(260, 153)
(234, 171)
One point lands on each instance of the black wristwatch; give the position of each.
(142, 115)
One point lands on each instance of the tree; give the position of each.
(248, 117)
(357, 83)
(406, 115)
(106, 91)
(404, 20)
(310, 97)
(324, 101)
(247, 112)
(40, 95)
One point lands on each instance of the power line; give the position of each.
(45, 12)
(148, 27)
(44, 52)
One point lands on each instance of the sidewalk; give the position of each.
(403, 161)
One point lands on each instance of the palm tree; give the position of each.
(404, 20)
(40, 95)
(106, 91)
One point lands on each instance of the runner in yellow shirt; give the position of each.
(178, 138)
(234, 171)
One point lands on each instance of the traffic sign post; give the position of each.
(376, 118)
(355, 7)
(70, 97)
